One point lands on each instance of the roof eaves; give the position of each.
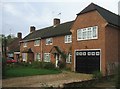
(30, 39)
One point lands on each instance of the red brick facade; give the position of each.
(107, 42)
(43, 48)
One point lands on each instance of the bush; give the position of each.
(48, 65)
(43, 65)
(97, 75)
(37, 64)
(117, 78)
(61, 65)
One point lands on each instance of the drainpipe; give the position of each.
(41, 49)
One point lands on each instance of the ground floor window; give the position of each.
(46, 57)
(10, 55)
(69, 58)
(24, 56)
(37, 56)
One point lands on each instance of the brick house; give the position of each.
(90, 42)
(47, 44)
(13, 48)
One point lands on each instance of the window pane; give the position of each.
(79, 34)
(68, 38)
(69, 59)
(49, 41)
(94, 31)
(47, 57)
(37, 56)
(87, 33)
(37, 42)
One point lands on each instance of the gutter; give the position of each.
(30, 40)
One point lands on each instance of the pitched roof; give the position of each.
(14, 46)
(110, 17)
(61, 29)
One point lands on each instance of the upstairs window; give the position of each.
(49, 41)
(46, 57)
(25, 44)
(36, 42)
(68, 38)
(87, 33)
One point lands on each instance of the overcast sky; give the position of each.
(19, 15)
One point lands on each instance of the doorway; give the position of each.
(57, 58)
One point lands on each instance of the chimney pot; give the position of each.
(32, 29)
(56, 22)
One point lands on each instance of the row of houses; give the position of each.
(86, 44)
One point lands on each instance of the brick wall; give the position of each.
(92, 18)
(111, 46)
(43, 48)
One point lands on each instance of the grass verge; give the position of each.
(28, 71)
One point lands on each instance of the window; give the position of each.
(37, 56)
(49, 41)
(68, 38)
(95, 31)
(25, 44)
(10, 55)
(87, 33)
(36, 42)
(46, 57)
(69, 59)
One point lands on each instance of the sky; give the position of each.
(18, 15)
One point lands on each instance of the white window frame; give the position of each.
(69, 58)
(68, 38)
(36, 42)
(88, 33)
(46, 60)
(36, 57)
(48, 40)
(25, 44)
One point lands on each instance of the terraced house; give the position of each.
(89, 43)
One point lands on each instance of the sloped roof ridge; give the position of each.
(44, 31)
(53, 26)
(92, 7)
(109, 16)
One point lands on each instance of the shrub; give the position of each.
(97, 75)
(117, 78)
(48, 65)
(37, 64)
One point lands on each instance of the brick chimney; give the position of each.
(56, 22)
(32, 29)
(19, 35)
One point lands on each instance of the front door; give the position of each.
(57, 57)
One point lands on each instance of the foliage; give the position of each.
(4, 41)
(48, 65)
(40, 65)
(97, 75)
(117, 78)
(37, 64)
(3, 67)
(62, 65)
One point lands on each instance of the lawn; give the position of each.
(28, 71)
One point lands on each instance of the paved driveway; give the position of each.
(56, 80)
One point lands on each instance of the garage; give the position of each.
(87, 61)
